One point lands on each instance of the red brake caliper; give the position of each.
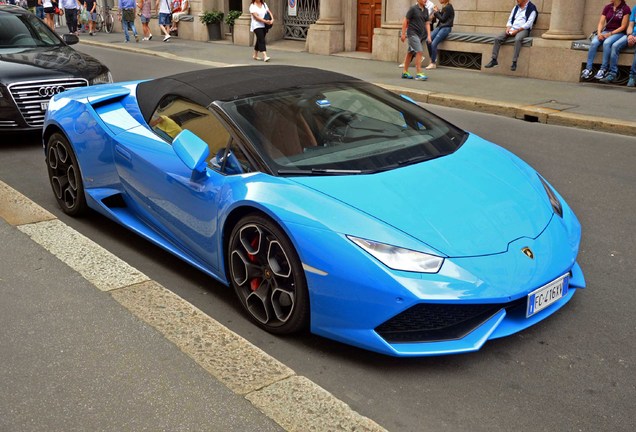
(255, 282)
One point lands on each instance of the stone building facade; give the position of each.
(373, 26)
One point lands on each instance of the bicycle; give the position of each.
(105, 20)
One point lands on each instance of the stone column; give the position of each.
(242, 34)
(566, 20)
(326, 36)
(386, 39)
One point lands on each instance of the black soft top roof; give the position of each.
(209, 85)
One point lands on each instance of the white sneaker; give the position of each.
(431, 66)
(166, 38)
(600, 74)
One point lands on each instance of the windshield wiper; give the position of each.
(319, 171)
(416, 159)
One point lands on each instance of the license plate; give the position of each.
(44, 106)
(546, 295)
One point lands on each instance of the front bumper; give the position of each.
(353, 306)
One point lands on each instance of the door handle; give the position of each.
(123, 152)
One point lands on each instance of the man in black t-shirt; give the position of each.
(416, 27)
(91, 7)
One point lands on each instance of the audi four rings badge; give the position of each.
(48, 91)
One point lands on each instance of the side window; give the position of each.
(174, 114)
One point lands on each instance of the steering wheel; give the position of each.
(325, 131)
(18, 37)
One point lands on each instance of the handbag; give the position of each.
(129, 15)
(267, 17)
(58, 11)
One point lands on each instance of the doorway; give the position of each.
(369, 18)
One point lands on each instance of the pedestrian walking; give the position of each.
(416, 26)
(71, 9)
(144, 7)
(127, 18)
(262, 21)
(518, 26)
(48, 9)
(165, 17)
(91, 8)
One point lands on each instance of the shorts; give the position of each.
(92, 16)
(49, 10)
(415, 44)
(145, 19)
(176, 16)
(164, 19)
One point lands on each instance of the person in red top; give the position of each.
(179, 9)
(611, 27)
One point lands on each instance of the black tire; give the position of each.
(99, 23)
(65, 176)
(267, 276)
(109, 22)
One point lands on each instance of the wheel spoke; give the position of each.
(243, 270)
(258, 303)
(59, 184)
(277, 260)
(282, 302)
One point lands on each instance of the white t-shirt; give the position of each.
(164, 6)
(260, 11)
(47, 3)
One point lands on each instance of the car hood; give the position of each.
(473, 202)
(50, 62)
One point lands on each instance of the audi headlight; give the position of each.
(105, 78)
(554, 201)
(399, 258)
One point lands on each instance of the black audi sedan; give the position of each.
(35, 64)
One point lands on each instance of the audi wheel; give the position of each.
(65, 176)
(267, 276)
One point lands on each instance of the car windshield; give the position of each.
(25, 31)
(344, 128)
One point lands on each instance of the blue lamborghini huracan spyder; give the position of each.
(327, 203)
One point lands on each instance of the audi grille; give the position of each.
(32, 97)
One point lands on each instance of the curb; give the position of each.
(531, 113)
(294, 402)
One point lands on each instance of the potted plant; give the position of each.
(213, 20)
(231, 18)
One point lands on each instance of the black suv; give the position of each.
(35, 64)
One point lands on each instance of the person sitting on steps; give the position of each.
(519, 24)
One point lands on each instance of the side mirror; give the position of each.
(70, 39)
(192, 150)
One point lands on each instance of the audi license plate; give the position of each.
(546, 295)
(44, 106)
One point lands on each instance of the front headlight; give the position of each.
(554, 201)
(400, 259)
(105, 78)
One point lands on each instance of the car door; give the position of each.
(163, 191)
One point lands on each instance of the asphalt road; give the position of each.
(573, 372)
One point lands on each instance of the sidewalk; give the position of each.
(585, 105)
(89, 343)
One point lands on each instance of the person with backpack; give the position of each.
(519, 25)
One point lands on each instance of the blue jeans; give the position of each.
(616, 52)
(128, 25)
(39, 11)
(607, 50)
(438, 35)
